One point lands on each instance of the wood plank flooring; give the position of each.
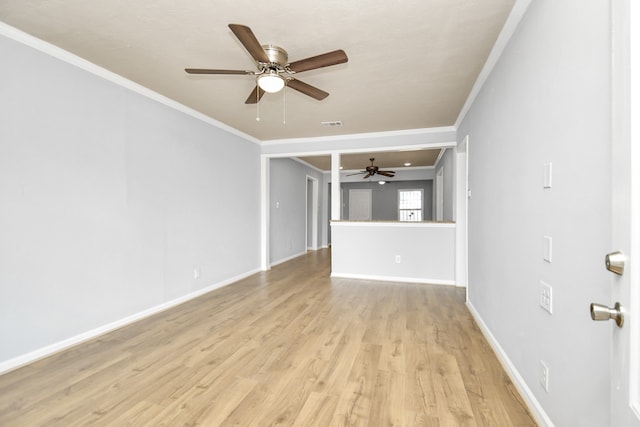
(286, 347)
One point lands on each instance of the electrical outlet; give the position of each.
(398, 259)
(546, 297)
(196, 273)
(544, 376)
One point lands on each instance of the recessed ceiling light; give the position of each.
(341, 167)
(382, 182)
(407, 164)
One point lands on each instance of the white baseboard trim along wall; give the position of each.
(289, 258)
(49, 350)
(534, 406)
(394, 279)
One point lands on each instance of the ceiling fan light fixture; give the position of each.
(271, 82)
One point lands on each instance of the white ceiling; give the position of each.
(412, 63)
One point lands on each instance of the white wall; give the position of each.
(109, 200)
(325, 212)
(547, 100)
(447, 163)
(425, 251)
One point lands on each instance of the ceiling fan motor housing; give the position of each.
(276, 54)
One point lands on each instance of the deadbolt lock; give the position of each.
(602, 312)
(615, 262)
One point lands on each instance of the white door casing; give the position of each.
(439, 194)
(461, 211)
(625, 191)
(312, 214)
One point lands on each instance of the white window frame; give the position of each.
(421, 190)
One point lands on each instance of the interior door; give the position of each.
(625, 356)
(360, 205)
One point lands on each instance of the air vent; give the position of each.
(332, 124)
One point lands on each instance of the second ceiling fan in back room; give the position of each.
(274, 69)
(372, 170)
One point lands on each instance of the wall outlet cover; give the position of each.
(546, 297)
(544, 376)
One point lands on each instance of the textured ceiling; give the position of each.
(411, 63)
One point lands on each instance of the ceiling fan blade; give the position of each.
(255, 96)
(367, 175)
(319, 61)
(307, 89)
(357, 173)
(249, 41)
(210, 71)
(390, 174)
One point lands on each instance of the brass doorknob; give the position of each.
(602, 312)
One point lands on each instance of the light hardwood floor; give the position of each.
(286, 347)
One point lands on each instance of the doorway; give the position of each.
(439, 194)
(312, 214)
(461, 214)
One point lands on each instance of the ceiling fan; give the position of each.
(274, 69)
(372, 170)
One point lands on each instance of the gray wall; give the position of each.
(385, 198)
(109, 200)
(447, 163)
(547, 100)
(287, 209)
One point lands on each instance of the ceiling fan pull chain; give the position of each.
(284, 114)
(257, 103)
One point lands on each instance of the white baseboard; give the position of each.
(394, 279)
(280, 261)
(49, 350)
(534, 406)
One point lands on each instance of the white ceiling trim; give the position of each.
(515, 16)
(430, 146)
(309, 165)
(356, 136)
(437, 162)
(518, 10)
(68, 57)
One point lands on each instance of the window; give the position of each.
(410, 205)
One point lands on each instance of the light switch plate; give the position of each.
(547, 248)
(547, 175)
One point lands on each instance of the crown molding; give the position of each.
(515, 16)
(70, 58)
(357, 136)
